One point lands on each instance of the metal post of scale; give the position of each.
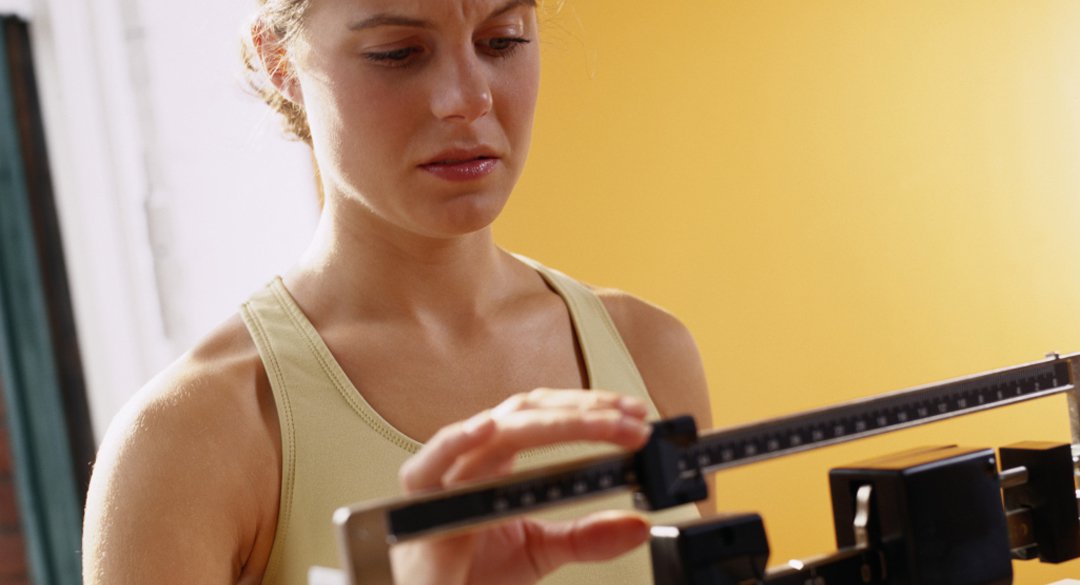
(1074, 415)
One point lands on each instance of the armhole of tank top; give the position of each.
(330, 367)
(590, 318)
(598, 311)
(287, 430)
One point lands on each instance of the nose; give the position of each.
(463, 90)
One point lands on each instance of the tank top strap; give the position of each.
(607, 360)
(323, 422)
(293, 348)
(268, 326)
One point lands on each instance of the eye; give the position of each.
(503, 46)
(394, 58)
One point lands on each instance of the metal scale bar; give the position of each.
(368, 529)
(731, 447)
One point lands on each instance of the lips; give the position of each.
(462, 165)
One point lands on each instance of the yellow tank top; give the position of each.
(337, 450)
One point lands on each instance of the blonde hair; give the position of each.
(278, 22)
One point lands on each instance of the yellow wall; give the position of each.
(851, 196)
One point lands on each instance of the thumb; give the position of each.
(596, 537)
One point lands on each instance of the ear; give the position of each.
(276, 61)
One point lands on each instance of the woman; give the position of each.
(402, 317)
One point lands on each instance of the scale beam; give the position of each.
(367, 530)
(858, 419)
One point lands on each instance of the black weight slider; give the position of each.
(665, 478)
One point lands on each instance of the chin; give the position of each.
(469, 214)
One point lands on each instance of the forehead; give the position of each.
(428, 12)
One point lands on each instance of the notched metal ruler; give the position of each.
(884, 413)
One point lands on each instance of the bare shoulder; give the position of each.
(665, 353)
(187, 474)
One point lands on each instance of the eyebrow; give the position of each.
(397, 20)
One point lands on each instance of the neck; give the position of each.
(358, 264)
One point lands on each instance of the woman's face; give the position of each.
(421, 109)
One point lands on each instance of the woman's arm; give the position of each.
(185, 485)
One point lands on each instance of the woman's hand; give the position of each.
(520, 551)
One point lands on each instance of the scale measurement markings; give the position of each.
(873, 416)
(458, 509)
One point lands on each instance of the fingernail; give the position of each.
(637, 427)
(608, 416)
(477, 422)
(631, 404)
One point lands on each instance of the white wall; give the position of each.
(178, 196)
(232, 203)
(20, 7)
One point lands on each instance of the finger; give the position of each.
(597, 537)
(529, 429)
(426, 469)
(588, 400)
(432, 561)
(478, 467)
(547, 398)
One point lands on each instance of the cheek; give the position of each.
(371, 111)
(521, 92)
(365, 126)
(337, 96)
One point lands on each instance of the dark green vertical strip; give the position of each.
(50, 253)
(44, 479)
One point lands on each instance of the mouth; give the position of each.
(459, 161)
(462, 165)
(461, 156)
